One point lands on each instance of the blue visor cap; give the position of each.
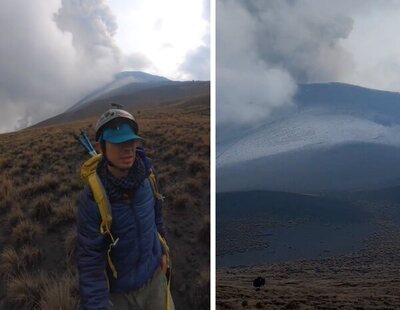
(120, 134)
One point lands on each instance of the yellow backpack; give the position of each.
(89, 175)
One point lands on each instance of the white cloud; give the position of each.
(248, 87)
(197, 64)
(45, 69)
(264, 48)
(375, 47)
(170, 34)
(54, 52)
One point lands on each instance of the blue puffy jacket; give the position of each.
(136, 256)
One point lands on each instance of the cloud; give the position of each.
(374, 46)
(196, 65)
(253, 94)
(92, 26)
(135, 61)
(264, 48)
(304, 37)
(248, 87)
(51, 54)
(206, 10)
(54, 52)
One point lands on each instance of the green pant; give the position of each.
(152, 295)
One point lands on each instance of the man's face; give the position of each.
(122, 155)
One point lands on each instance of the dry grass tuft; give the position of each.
(46, 183)
(7, 193)
(202, 290)
(60, 294)
(64, 188)
(26, 232)
(65, 212)
(10, 263)
(182, 201)
(13, 263)
(195, 165)
(76, 184)
(5, 163)
(193, 186)
(70, 247)
(24, 291)
(30, 256)
(41, 207)
(204, 233)
(16, 215)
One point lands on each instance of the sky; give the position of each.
(54, 52)
(264, 49)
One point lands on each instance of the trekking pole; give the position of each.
(88, 143)
(85, 142)
(78, 138)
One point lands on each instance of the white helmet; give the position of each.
(114, 114)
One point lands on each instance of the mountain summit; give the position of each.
(140, 77)
(338, 137)
(120, 79)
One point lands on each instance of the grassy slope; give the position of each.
(40, 188)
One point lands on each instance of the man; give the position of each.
(122, 264)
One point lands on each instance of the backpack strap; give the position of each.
(152, 174)
(89, 175)
(154, 185)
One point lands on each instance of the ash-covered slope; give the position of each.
(337, 137)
